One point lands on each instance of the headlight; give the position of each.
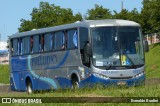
(138, 75)
(100, 76)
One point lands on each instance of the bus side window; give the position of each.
(31, 44)
(15, 47)
(41, 43)
(64, 40)
(20, 46)
(12, 49)
(53, 41)
(83, 36)
(47, 40)
(11, 45)
(72, 39)
(23, 45)
(36, 44)
(27, 45)
(59, 40)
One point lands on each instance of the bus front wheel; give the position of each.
(75, 83)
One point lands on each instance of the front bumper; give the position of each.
(92, 80)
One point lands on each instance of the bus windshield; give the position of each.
(117, 46)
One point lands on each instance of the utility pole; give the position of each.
(121, 5)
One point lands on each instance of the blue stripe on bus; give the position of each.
(60, 64)
(49, 80)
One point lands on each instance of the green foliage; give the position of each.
(4, 74)
(48, 15)
(150, 16)
(98, 13)
(133, 15)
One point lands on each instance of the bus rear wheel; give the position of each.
(29, 87)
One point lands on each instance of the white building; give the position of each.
(4, 54)
(152, 38)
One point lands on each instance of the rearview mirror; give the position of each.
(146, 46)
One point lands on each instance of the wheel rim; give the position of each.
(75, 85)
(29, 88)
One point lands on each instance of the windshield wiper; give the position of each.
(109, 67)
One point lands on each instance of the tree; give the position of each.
(151, 16)
(98, 12)
(48, 15)
(124, 14)
(133, 15)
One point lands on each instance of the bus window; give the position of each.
(20, 46)
(83, 36)
(31, 44)
(41, 43)
(53, 41)
(15, 47)
(59, 38)
(64, 40)
(27, 45)
(11, 45)
(23, 46)
(36, 44)
(47, 40)
(72, 39)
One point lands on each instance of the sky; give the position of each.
(12, 11)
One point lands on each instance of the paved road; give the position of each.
(5, 88)
(152, 81)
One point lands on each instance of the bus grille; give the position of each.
(120, 77)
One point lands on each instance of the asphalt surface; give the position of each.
(5, 88)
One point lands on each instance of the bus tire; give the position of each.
(75, 83)
(29, 87)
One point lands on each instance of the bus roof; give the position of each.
(84, 23)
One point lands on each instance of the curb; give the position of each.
(1, 84)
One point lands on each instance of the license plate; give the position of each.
(121, 83)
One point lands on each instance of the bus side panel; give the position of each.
(23, 80)
(15, 84)
(64, 82)
(19, 63)
(42, 85)
(18, 68)
(18, 81)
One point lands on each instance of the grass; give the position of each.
(153, 61)
(98, 91)
(4, 74)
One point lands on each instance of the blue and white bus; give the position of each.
(83, 53)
